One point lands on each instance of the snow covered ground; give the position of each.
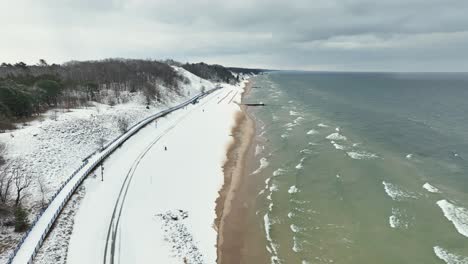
(50, 149)
(158, 205)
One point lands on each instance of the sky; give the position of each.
(327, 35)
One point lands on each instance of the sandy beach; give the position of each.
(234, 202)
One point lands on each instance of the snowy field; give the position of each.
(157, 205)
(52, 147)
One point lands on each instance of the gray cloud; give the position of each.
(394, 35)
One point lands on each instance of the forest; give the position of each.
(28, 90)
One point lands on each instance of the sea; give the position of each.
(360, 168)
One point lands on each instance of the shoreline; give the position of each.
(231, 213)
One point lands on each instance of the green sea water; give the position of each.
(361, 167)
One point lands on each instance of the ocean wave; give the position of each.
(274, 188)
(360, 155)
(430, 188)
(312, 132)
(284, 135)
(300, 165)
(267, 224)
(448, 257)
(279, 172)
(263, 164)
(336, 136)
(272, 246)
(295, 228)
(394, 192)
(298, 119)
(258, 149)
(291, 215)
(396, 219)
(456, 214)
(322, 125)
(337, 129)
(293, 113)
(297, 247)
(409, 156)
(338, 146)
(289, 125)
(305, 151)
(293, 189)
(270, 207)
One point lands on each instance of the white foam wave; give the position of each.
(272, 247)
(336, 136)
(298, 119)
(312, 132)
(396, 219)
(297, 247)
(290, 215)
(263, 164)
(279, 172)
(361, 155)
(337, 129)
(290, 125)
(293, 189)
(294, 113)
(322, 125)
(305, 151)
(274, 188)
(284, 135)
(448, 257)
(456, 214)
(300, 166)
(394, 192)
(409, 156)
(430, 188)
(338, 146)
(295, 228)
(258, 149)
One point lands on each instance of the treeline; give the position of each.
(216, 73)
(27, 90)
(245, 70)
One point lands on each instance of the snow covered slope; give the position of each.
(52, 147)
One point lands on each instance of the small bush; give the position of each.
(21, 219)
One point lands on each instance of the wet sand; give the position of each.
(235, 202)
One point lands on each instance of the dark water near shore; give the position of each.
(344, 160)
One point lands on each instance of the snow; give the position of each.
(185, 179)
(52, 149)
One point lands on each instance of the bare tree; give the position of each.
(6, 181)
(43, 188)
(2, 152)
(22, 182)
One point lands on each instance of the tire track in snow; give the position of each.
(112, 231)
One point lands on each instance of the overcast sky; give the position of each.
(351, 35)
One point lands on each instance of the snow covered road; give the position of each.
(157, 205)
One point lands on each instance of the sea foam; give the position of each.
(430, 188)
(279, 172)
(448, 257)
(312, 132)
(322, 125)
(293, 189)
(396, 219)
(361, 155)
(456, 214)
(396, 193)
(263, 164)
(336, 136)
